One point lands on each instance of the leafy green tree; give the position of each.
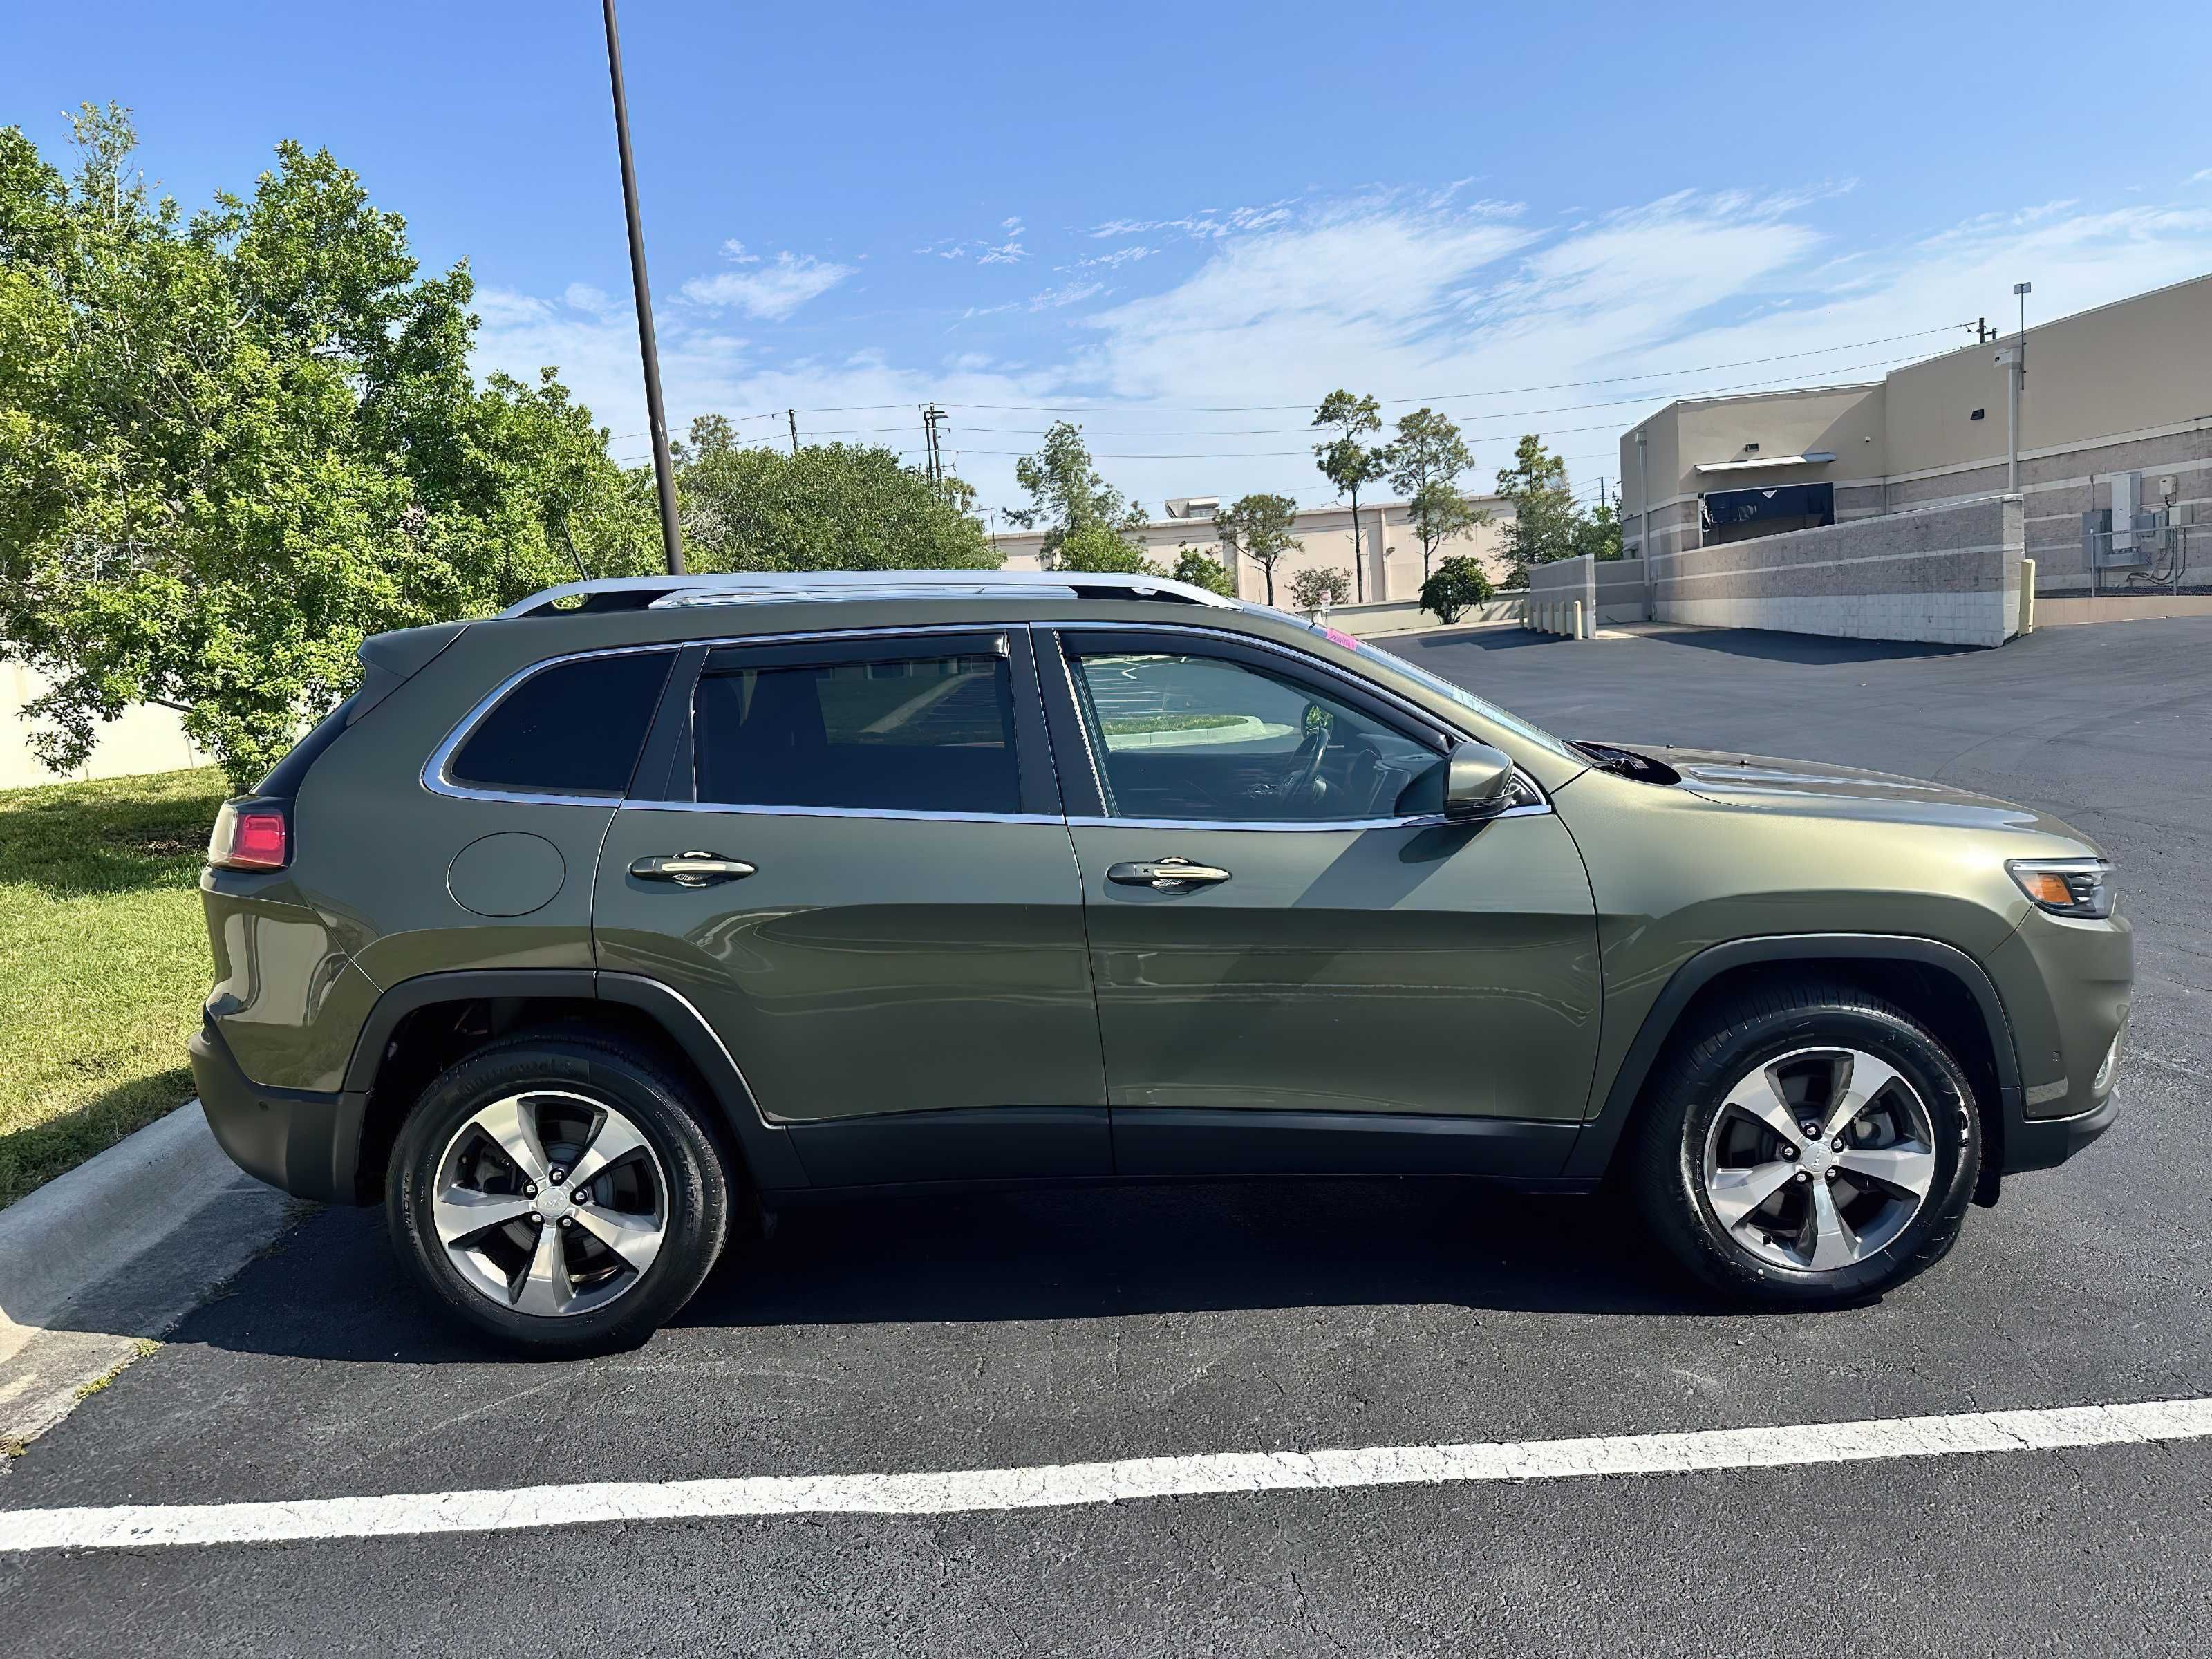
(1319, 586)
(826, 506)
(1203, 570)
(1349, 464)
(1259, 527)
(1099, 548)
(1067, 494)
(1598, 532)
(1427, 457)
(1459, 584)
(231, 446)
(1544, 513)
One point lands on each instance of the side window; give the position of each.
(1200, 738)
(573, 729)
(918, 734)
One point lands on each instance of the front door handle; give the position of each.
(1169, 875)
(691, 869)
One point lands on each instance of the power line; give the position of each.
(1441, 396)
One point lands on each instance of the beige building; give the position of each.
(146, 738)
(1391, 551)
(2115, 406)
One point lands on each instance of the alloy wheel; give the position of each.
(550, 1202)
(1818, 1160)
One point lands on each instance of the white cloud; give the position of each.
(734, 250)
(1051, 299)
(1006, 253)
(773, 292)
(1390, 294)
(1113, 261)
(2202, 176)
(582, 296)
(1207, 223)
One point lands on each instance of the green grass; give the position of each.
(1127, 725)
(103, 962)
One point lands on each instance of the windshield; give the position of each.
(1466, 699)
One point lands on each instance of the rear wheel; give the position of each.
(559, 1193)
(1816, 1145)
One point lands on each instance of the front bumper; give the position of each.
(298, 1140)
(2044, 1142)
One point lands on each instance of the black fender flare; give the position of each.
(1594, 1147)
(771, 1159)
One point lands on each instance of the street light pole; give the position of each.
(664, 471)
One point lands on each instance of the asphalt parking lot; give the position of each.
(1013, 1331)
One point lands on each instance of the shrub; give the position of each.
(1459, 584)
(1201, 571)
(1320, 587)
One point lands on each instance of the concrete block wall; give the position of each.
(1611, 590)
(1948, 575)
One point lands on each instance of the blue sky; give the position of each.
(1184, 224)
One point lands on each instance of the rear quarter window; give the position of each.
(573, 729)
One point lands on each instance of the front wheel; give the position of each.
(560, 1193)
(1815, 1146)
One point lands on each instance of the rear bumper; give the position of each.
(2043, 1143)
(297, 1141)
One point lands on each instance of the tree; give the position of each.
(824, 506)
(1347, 463)
(1067, 494)
(1259, 527)
(231, 446)
(1598, 532)
(1098, 547)
(1426, 459)
(1203, 570)
(1544, 513)
(1459, 583)
(1319, 586)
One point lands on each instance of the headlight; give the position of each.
(2066, 887)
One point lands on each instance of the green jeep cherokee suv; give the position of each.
(584, 935)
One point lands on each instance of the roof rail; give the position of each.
(767, 587)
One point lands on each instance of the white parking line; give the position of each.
(1054, 1485)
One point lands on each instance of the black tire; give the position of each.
(698, 1186)
(1666, 1156)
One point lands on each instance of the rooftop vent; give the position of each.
(1194, 507)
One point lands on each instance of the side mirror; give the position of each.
(1478, 781)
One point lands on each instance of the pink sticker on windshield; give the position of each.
(1344, 640)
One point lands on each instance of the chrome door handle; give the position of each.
(692, 869)
(1169, 875)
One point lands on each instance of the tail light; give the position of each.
(248, 835)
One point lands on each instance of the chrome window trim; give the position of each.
(1308, 826)
(438, 781)
(1439, 734)
(901, 813)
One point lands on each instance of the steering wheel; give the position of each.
(1308, 783)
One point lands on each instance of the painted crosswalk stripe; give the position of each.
(1123, 1480)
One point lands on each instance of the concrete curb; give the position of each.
(98, 1260)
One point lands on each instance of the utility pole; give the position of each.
(2016, 381)
(664, 468)
(931, 415)
(793, 416)
(1982, 332)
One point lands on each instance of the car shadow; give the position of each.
(1807, 648)
(335, 1290)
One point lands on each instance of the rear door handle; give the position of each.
(1169, 875)
(692, 869)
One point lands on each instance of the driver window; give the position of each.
(1202, 739)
